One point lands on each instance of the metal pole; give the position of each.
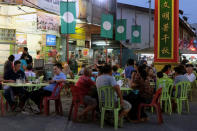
(149, 39)
(67, 47)
(67, 39)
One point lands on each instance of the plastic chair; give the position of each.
(106, 102)
(181, 94)
(166, 86)
(2, 102)
(155, 103)
(41, 78)
(56, 97)
(77, 100)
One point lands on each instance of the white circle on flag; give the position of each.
(136, 33)
(120, 29)
(68, 17)
(107, 25)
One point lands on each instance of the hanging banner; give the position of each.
(166, 30)
(107, 26)
(136, 34)
(121, 29)
(68, 17)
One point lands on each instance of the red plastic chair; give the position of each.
(77, 100)
(155, 103)
(2, 105)
(56, 97)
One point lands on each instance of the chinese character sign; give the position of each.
(166, 30)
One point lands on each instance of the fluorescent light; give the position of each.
(100, 43)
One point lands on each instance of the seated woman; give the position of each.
(86, 86)
(141, 93)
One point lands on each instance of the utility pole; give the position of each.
(149, 39)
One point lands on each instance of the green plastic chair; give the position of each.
(181, 94)
(117, 77)
(41, 78)
(106, 102)
(166, 95)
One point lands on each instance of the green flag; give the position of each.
(107, 26)
(121, 29)
(68, 17)
(136, 34)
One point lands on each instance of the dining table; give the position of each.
(27, 85)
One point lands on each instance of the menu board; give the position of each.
(7, 36)
(46, 21)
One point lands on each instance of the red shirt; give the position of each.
(84, 84)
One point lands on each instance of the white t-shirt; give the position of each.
(190, 77)
(30, 74)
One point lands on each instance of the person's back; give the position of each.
(84, 84)
(7, 68)
(105, 80)
(128, 71)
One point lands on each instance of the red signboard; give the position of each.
(166, 31)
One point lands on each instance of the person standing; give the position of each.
(73, 63)
(8, 66)
(23, 62)
(29, 59)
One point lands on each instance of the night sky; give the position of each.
(188, 6)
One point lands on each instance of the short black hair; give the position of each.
(11, 58)
(17, 62)
(25, 49)
(115, 68)
(189, 65)
(59, 65)
(165, 68)
(160, 74)
(99, 62)
(179, 70)
(106, 69)
(29, 67)
(130, 62)
(38, 52)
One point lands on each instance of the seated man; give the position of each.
(106, 79)
(190, 75)
(37, 96)
(86, 89)
(10, 91)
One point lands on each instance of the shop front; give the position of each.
(22, 26)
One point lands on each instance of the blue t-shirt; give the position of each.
(115, 74)
(23, 63)
(56, 77)
(128, 71)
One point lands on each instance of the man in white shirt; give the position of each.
(190, 75)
